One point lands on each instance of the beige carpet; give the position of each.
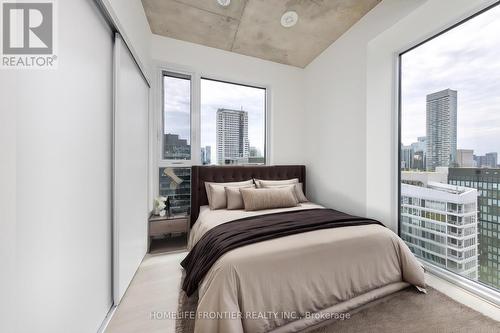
(405, 311)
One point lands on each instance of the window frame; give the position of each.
(475, 287)
(157, 116)
(163, 71)
(196, 77)
(266, 111)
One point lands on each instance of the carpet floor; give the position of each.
(404, 311)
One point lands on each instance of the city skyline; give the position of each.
(462, 60)
(415, 153)
(222, 95)
(214, 95)
(450, 130)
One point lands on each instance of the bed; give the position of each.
(294, 282)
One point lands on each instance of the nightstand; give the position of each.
(167, 233)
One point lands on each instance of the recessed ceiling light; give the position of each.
(224, 3)
(289, 19)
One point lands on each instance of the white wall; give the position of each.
(335, 107)
(285, 82)
(381, 111)
(58, 168)
(130, 16)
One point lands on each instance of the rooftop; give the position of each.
(453, 189)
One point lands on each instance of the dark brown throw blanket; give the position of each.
(230, 235)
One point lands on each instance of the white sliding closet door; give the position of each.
(58, 174)
(130, 168)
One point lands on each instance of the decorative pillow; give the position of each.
(234, 198)
(299, 192)
(269, 183)
(217, 195)
(267, 198)
(230, 184)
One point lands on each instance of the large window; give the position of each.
(176, 116)
(449, 141)
(232, 123)
(205, 121)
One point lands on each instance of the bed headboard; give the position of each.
(222, 174)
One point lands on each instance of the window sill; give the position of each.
(471, 294)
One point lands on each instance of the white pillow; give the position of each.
(299, 192)
(234, 198)
(268, 183)
(221, 194)
(268, 198)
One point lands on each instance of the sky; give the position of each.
(177, 99)
(214, 95)
(466, 59)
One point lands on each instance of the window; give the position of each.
(232, 123)
(175, 183)
(219, 123)
(449, 141)
(176, 117)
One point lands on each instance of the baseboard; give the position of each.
(463, 296)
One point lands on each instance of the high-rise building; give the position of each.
(439, 224)
(206, 153)
(406, 157)
(441, 129)
(417, 151)
(487, 183)
(465, 158)
(420, 145)
(479, 161)
(413, 156)
(232, 136)
(490, 160)
(418, 162)
(175, 148)
(422, 178)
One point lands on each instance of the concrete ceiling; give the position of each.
(252, 27)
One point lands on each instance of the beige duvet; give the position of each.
(290, 283)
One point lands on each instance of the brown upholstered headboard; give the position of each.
(221, 174)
